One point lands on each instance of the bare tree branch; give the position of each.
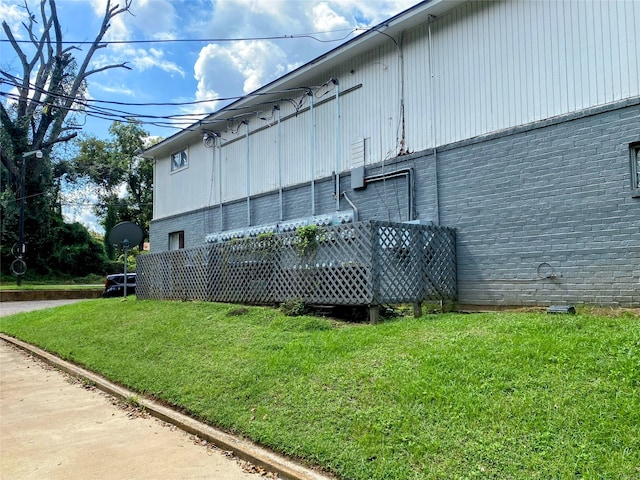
(83, 72)
(60, 139)
(107, 67)
(51, 81)
(24, 89)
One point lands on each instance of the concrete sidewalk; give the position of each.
(51, 427)
(54, 429)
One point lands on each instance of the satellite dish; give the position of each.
(126, 235)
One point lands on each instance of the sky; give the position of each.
(186, 51)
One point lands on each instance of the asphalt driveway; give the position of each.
(9, 308)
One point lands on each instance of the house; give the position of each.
(515, 122)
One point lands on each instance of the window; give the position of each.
(176, 240)
(179, 160)
(635, 168)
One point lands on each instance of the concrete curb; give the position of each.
(241, 448)
(57, 294)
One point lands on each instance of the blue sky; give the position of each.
(176, 72)
(194, 71)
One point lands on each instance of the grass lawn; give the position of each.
(499, 395)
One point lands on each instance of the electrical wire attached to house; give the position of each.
(96, 108)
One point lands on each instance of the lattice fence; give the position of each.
(365, 263)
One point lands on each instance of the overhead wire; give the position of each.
(312, 36)
(87, 106)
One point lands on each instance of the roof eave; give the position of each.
(362, 43)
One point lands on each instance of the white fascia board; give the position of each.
(365, 42)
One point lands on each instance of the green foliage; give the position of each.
(132, 259)
(76, 251)
(53, 246)
(110, 164)
(41, 119)
(308, 237)
(109, 220)
(502, 395)
(294, 308)
(265, 245)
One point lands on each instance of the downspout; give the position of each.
(248, 169)
(337, 194)
(279, 143)
(220, 182)
(401, 59)
(312, 155)
(436, 215)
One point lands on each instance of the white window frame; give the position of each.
(182, 163)
(176, 240)
(634, 157)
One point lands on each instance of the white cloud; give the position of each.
(153, 58)
(256, 62)
(206, 75)
(155, 19)
(139, 59)
(370, 13)
(13, 14)
(324, 18)
(117, 30)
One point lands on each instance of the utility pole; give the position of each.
(19, 266)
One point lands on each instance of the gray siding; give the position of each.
(543, 212)
(549, 200)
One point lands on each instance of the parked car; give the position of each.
(114, 285)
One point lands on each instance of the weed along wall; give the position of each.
(364, 263)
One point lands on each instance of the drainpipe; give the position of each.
(279, 145)
(436, 215)
(337, 85)
(401, 60)
(220, 182)
(248, 168)
(355, 209)
(312, 155)
(404, 172)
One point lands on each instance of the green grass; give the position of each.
(501, 395)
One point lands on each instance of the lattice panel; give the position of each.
(439, 255)
(366, 263)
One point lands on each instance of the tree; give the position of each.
(38, 115)
(110, 165)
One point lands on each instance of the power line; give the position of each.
(311, 36)
(17, 83)
(88, 108)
